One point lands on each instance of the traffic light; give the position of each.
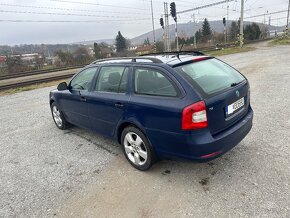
(173, 10)
(224, 21)
(162, 23)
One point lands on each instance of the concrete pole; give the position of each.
(194, 30)
(287, 25)
(227, 21)
(176, 35)
(153, 22)
(242, 24)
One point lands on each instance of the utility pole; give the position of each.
(287, 26)
(242, 24)
(167, 32)
(153, 21)
(225, 31)
(194, 30)
(227, 21)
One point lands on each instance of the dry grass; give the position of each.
(227, 51)
(280, 41)
(30, 87)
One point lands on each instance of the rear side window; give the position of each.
(210, 75)
(153, 82)
(112, 79)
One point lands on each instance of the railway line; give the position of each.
(34, 81)
(37, 72)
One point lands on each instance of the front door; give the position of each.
(74, 101)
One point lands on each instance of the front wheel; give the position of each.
(58, 117)
(137, 148)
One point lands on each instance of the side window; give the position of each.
(112, 79)
(153, 82)
(83, 80)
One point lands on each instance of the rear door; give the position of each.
(109, 99)
(224, 90)
(155, 102)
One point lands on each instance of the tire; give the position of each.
(58, 117)
(137, 148)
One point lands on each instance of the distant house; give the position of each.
(30, 58)
(145, 49)
(132, 48)
(2, 59)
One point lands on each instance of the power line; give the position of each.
(66, 9)
(276, 12)
(97, 4)
(66, 14)
(203, 6)
(71, 21)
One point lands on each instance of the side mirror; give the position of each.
(62, 86)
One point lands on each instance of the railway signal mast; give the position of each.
(173, 14)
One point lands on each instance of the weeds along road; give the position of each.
(46, 172)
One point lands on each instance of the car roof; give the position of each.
(169, 58)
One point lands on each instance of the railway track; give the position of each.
(34, 81)
(37, 72)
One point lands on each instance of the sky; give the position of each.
(67, 21)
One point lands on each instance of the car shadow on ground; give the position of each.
(203, 172)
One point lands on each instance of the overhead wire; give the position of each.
(66, 14)
(68, 9)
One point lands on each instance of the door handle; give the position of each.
(119, 105)
(83, 99)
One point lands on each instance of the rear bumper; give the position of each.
(200, 145)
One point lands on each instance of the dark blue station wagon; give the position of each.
(188, 106)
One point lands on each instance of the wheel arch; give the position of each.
(124, 125)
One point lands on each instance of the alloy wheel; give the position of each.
(135, 149)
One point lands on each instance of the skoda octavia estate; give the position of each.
(161, 106)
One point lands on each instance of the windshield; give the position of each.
(211, 75)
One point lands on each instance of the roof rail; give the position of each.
(130, 59)
(193, 52)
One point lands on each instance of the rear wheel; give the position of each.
(137, 148)
(58, 117)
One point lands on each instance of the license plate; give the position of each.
(235, 106)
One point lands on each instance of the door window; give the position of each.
(153, 82)
(83, 80)
(112, 79)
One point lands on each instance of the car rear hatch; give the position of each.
(224, 90)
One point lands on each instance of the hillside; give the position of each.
(187, 29)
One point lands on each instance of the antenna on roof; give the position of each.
(180, 50)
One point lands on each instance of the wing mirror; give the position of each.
(62, 86)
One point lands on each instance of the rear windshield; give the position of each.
(211, 75)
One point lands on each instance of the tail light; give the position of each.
(194, 116)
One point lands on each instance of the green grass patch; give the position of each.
(227, 51)
(30, 87)
(280, 41)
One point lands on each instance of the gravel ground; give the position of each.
(45, 172)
